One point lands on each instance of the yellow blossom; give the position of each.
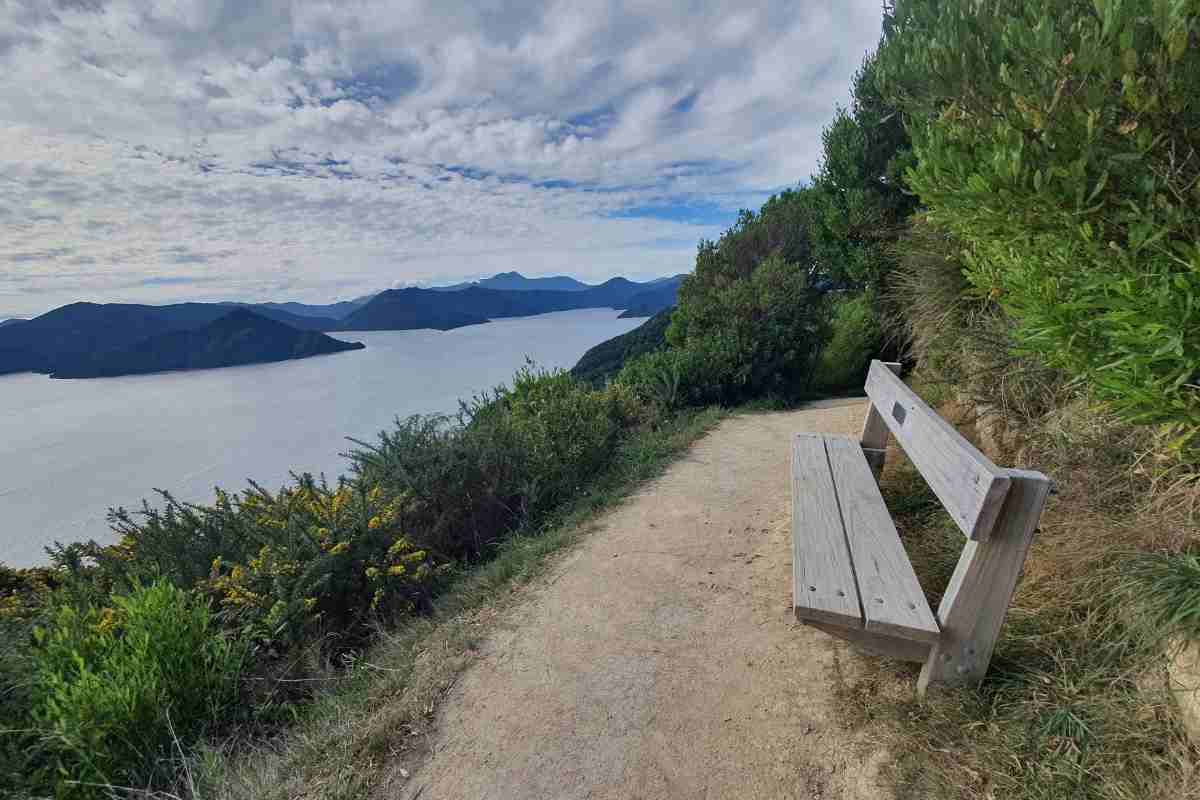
(107, 621)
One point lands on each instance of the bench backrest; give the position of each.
(971, 487)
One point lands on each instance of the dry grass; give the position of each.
(1075, 704)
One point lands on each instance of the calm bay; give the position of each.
(71, 449)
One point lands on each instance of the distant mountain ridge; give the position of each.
(400, 309)
(91, 339)
(516, 282)
(330, 311)
(660, 295)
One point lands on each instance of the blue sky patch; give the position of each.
(689, 212)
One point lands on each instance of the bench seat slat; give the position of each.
(892, 600)
(823, 586)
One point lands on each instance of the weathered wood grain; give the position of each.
(977, 599)
(971, 488)
(876, 644)
(823, 585)
(892, 600)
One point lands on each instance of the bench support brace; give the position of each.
(976, 601)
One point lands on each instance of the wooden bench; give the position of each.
(851, 575)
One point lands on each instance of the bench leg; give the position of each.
(875, 434)
(977, 599)
(876, 459)
(875, 430)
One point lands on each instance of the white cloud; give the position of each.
(152, 151)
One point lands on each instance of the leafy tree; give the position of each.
(854, 340)
(746, 335)
(857, 201)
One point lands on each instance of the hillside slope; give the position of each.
(75, 334)
(239, 337)
(605, 360)
(650, 301)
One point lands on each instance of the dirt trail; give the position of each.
(660, 658)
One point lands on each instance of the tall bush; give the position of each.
(1057, 140)
(857, 202)
(748, 335)
(320, 558)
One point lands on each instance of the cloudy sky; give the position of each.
(159, 150)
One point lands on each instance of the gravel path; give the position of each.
(660, 658)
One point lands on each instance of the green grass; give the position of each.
(1166, 589)
(368, 721)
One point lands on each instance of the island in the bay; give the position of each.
(94, 340)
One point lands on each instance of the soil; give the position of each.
(660, 657)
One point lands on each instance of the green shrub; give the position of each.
(675, 377)
(511, 455)
(321, 559)
(964, 343)
(115, 686)
(561, 431)
(23, 596)
(779, 228)
(747, 336)
(855, 340)
(857, 202)
(1058, 141)
(282, 566)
